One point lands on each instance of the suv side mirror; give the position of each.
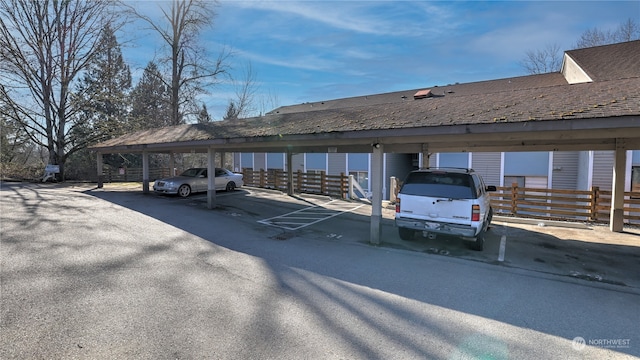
(491, 188)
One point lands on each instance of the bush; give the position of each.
(14, 171)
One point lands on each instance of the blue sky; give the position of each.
(304, 51)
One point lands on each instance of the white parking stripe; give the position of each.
(503, 245)
(310, 215)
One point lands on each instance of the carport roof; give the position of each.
(537, 112)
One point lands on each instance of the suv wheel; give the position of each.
(478, 245)
(406, 234)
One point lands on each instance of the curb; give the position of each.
(526, 221)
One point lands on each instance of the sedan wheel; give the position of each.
(184, 190)
(231, 186)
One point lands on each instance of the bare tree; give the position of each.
(191, 70)
(268, 102)
(543, 61)
(627, 31)
(593, 37)
(44, 46)
(549, 59)
(243, 104)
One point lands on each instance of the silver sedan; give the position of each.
(195, 180)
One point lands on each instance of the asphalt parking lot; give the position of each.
(114, 273)
(582, 251)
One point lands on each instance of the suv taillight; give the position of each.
(397, 205)
(475, 212)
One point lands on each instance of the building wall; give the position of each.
(635, 158)
(259, 161)
(488, 165)
(565, 170)
(275, 161)
(246, 161)
(315, 162)
(526, 163)
(573, 72)
(572, 170)
(584, 170)
(397, 165)
(298, 162)
(337, 164)
(456, 160)
(603, 169)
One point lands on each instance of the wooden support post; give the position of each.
(376, 177)
(289, 173)
(593, 203)
(145, 172)
(514, 198)
(211, 178)
(100, 169)
(616, 219)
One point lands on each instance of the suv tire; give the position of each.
(406, 234)
(478, 245)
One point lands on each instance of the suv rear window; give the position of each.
(443, 185)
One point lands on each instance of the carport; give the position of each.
(589, 116)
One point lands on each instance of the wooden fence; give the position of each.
(133, 174)
(313, 183)
(553, 204)
(550, 204)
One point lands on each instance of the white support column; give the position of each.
(99, 169)
(376, 189)
(211, 178)
(145, 172)
(616, 219)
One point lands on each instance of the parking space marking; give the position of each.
(310, 215)
(503, 245)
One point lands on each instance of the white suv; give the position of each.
(448, 201)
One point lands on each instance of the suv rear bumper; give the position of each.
(464, 231)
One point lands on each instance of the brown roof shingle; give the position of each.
(534, 98)
(609, 62)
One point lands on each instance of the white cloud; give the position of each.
(365, 17)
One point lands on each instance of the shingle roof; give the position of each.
(609, 62)
(580, 101)
(526, 99)
(480, 87)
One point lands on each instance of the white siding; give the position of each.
(535, 182)
(259, 161)
(565, 170)
(297, 161)
(337, 164)
(487, 164)
(603, 169)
